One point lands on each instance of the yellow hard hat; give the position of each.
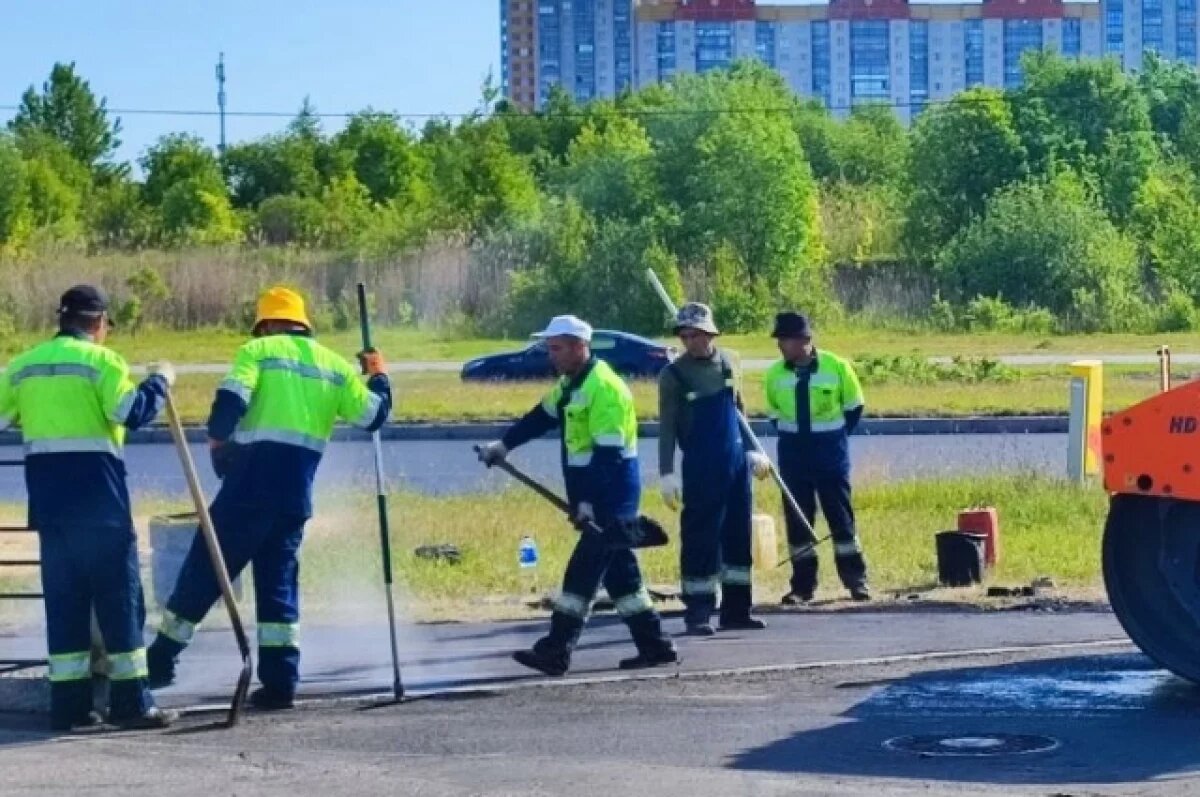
(281, 304)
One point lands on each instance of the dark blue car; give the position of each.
(629, 355)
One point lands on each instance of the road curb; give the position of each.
(485, 430)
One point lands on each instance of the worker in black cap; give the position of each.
(74, 400)
(815, 401)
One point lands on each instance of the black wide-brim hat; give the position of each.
(791, 325)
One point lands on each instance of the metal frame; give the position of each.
(12, 665)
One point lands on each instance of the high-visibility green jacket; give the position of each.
(278, 404)
(814, 408)
(598, 423)
(74, 400)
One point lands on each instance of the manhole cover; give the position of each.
(972, 744)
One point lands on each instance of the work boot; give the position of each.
(794, 598)
(269, 700)
(153, 718)
(645, 659)
(698, 629)
(84, 722)
(860, 593)
(746, 622)
(160, 666)
(544, 662)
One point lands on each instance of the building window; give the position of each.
(1019, 35)
(666, 50)
(1152, 25)
(583, 17)
(1071, 36)
(1114, 28)
(549, 48)
(821, 69)
(714, 45)
(1185, 31)
(870, 70)
(973, 51)
(622, 44)
(764, 42)
(918, 65)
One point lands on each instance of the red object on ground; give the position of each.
(983, 521)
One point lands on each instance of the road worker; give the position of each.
(593, 408)
(698, 404)
(270, 421)
(815, 400)
(73, 400)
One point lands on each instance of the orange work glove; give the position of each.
(372, 362)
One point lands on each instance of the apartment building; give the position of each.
(843, 52)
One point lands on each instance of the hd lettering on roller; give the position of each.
(1183, 424)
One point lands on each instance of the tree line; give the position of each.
(1069, 204)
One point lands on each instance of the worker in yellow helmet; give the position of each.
(271, 419)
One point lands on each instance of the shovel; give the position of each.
(643, 532)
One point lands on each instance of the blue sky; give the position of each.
(407, 56)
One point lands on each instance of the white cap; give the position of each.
(566, 325)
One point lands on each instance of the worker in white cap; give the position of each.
(593, 409)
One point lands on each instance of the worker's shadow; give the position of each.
(1109, 719)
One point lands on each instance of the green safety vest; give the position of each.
(833, 390)
(599, 412)
(69, 396)
(295, 389)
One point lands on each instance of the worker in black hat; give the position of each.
(74, 400)
(815, 401)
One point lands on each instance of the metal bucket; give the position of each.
(171, 538)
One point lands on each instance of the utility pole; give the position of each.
(221, 100)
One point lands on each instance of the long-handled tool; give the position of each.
(789, 499)
(645, 532)
(208, 532)
(385, 542)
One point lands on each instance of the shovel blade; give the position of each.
(239, 695)
(641, 533)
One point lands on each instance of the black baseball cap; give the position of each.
(85, 300)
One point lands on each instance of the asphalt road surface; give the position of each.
(440, 467)
(1041, 722)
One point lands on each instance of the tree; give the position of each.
(477, 181)
(177, 157)
(871, 147)
(751, 187)
(1045, 243)
(59, 185)
(300, 162)
(194, 213)
(384, 158)
(290, 219)
(610, 171)
(1089, 116)
(15, 213)
(66, 109)
(962, 153)
(1166, 221)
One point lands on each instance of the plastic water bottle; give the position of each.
(527, 560)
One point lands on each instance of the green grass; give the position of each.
(1047, 528)
(400, 344)
(443, 397)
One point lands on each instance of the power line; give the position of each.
(583, 113)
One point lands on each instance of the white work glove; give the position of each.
(163, 369)
(492, 453)
(585, 513)
(759, 464)
(672, 490)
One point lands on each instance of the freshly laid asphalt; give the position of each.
(355, 660)
(886, 704)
